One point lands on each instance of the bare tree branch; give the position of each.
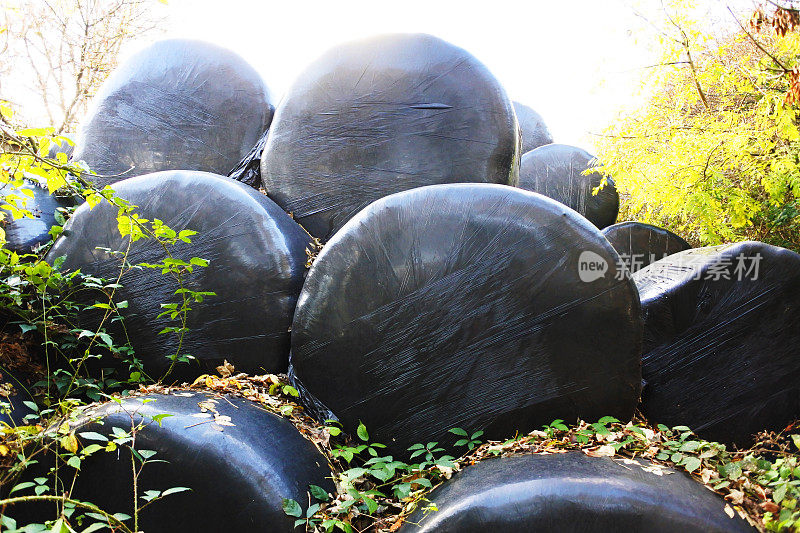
(63, 50)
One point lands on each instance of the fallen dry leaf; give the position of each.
(770, 507)
(601, 451)
(225, 369)
(736, 497)
(446, 471)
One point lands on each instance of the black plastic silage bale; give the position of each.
(382, 115)
(465, 306)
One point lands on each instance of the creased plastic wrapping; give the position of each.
(722, 356)
(555, 170)
(462, 306)
(571, 492)
(534, 130)
(640, 244)
(383, 115)
(239, 461)
(24, 234)
(178, 104)
(248, 170)
(257, 262)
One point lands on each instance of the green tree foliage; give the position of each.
(713, 153)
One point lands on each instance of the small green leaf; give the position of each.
(292, 508)
(691, 464)
(319, 493)
(174, 490)
(372, 505)
(147, 454)
(158, 418)
(92, 448)
(22, 486)
(780, 493)
(27, 327)
(362, 432)
(91, 435)
(689, 446)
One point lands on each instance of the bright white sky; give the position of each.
(577, 62)
(573, 61)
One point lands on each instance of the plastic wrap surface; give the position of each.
(239, 461)
(458, 306)
(176, 105)
(722, 356)
(383, 115)
(257, 262)
(640, 244)
(571, 492)
(555, 170)
(534, 130)
(248, 170)
(23, 234)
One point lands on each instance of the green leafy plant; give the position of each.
(470, 441)
(45, 304)
(64, 447)
(712, 152)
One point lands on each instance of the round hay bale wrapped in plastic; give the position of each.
(722, 340)
(257, 261)
(383, 115)
(459, 306)
(534, 130)
(177, 104)
(238, 460)
(26, 233)
(556, 171)
(571, 492)
(640, 244)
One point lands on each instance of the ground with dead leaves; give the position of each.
(377, 493)
(760, 484)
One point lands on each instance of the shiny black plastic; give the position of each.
(457, 306)
(383, 115)
(640, 244)
(555, 170)
(248, 171)
(239, 461)
(722, 356)
(534, 130)
(257, 262)
(178, 104)
(571, 492)
(23, 234)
